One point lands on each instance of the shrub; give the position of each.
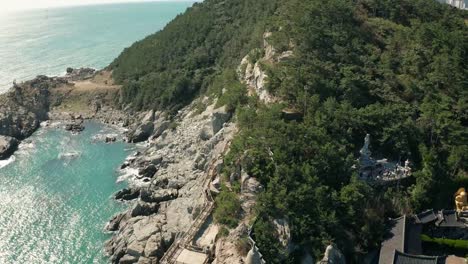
(227, 208)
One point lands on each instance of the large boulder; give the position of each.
(332, 256)
(159, 127)
(148, 171)
(220, 116)
(154, 246)
(127, 194)
(136, 248)
(142, 208)
(114, 223)
(128, 259)
(142, 132)
(158, 195)
(7, 146)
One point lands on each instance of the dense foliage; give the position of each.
(395, 69)
(167, 69)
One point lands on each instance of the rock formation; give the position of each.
(169, 180)
(7, 146)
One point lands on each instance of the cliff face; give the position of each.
(25, 106)
(167, 183)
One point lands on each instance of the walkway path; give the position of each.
(183, 249)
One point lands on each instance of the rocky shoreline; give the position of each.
(166, 182)
(166, 176)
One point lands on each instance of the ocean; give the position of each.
(48, 41)
(56, 197)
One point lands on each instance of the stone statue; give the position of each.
(365, 149)
(461, 203)
(366, 159)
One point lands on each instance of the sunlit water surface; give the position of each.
(55, 198)
(48, 41)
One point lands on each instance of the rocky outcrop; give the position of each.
(251, 71)
(127, 194)
(25, 105)
(332, 256)
(80, 74)
(170, 174)
(7, 146)
(142, 132)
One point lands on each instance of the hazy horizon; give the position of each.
(20, 5)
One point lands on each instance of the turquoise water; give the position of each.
(48, 41)
(55, 198)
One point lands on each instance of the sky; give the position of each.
(13, 5)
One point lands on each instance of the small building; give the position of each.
(403, 244)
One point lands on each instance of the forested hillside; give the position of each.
(167, 69)
(396, 69)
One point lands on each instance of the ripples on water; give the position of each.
(55, 197)
(48, 41)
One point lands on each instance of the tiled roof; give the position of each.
(449, 218)
(402, 258)
(426, 217)
(394, 241)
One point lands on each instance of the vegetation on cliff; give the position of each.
(394, 69)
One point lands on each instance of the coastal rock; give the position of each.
(80, 74)
(142, 132)
(114, 223)
(143, 208)
(141, 228)
(127, 194)
(143, 260)
(110, 139)
(74, 127)
(128, 259)
(7, 146)
(159, 127)
(171, 199)
(154, 246)
(136, 249)
(148, 171)
(158, 196)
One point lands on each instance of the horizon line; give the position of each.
(104, 2)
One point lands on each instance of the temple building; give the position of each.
(404, 242)
(380, 170)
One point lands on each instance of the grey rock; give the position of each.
(7, 146)
(127, 194)
(148, 171)
(220, 116)
(158, 196)
(135, 248)
(142, 132)
(114, 223)
(145, 228)
(142, 208)
(206, 133)
(154, 246)
(128, 259)
(159, 127)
